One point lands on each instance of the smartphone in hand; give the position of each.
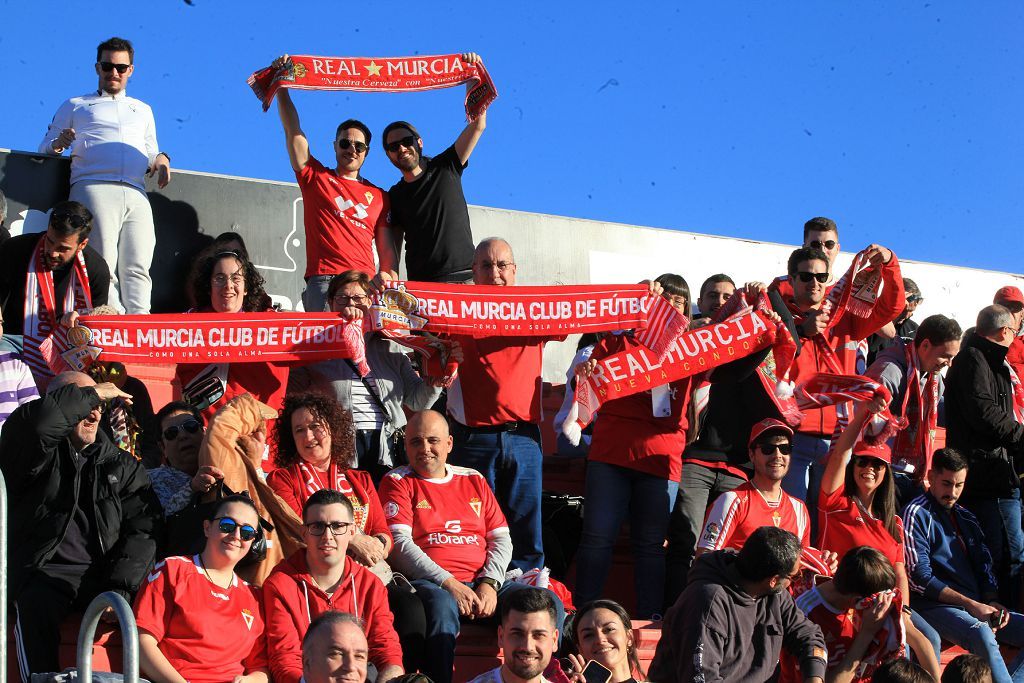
(596, 673)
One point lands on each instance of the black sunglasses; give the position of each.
(75, 220)
(190, 426)
(806, 276)
(227, 526)
(827, 244)
(345, 143)
(110, 66)
(868, 461)
(408, 141)
(770, 448)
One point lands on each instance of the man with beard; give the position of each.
(735, 616)
(428, 207)
(42, 277)
(761, 501)
(715, 291)
(321, 579)
(528, 635)
(343, 213)
(951, 572)
(823, 234)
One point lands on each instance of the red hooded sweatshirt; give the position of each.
(291, 600)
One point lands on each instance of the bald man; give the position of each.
(83, 515)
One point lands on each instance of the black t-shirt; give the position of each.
(433, 214)
(15, 255)
(78, 547)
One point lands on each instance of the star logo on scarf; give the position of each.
(373, 69)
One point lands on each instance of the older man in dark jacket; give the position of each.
(983, 421)
(83, 513)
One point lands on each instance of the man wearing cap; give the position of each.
(1012, 300)
(984, 415)
(761, 501)
(428, 207)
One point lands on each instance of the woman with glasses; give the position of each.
(227, 283)
(197, 620)
(375, 400)
(857, 507)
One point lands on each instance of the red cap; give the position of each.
(768, 425)
(1008, 295)
(880, 451)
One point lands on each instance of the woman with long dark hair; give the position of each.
(603, 633)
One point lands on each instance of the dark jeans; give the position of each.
(511, 463)
(368, 454)
(1000, 521)
(410, 624)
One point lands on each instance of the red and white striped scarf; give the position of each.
(916, 443)
(1018, 393)
(41, 314)
(890, 641)
(335, 479)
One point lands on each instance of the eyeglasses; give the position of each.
(320, 528)
(356, 299)
(827, 244)
(502, 266)
(190, 426)
(806, 276)
(770, 448)
(227, 526)
(868, 461)
(75, 220)
(345, 143)
(221, 280)
(110, 66)
(915, 299)
(408, 141)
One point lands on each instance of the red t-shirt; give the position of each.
(499, 381)
(845, 524)
(450, 519)
(738, 513)
(207, 633)
(341, 216)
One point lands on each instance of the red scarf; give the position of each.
(41, 314)
(916, 443)
(334, 478)
(1018, 393)
(826, 389)
(890, 641)
(378, 74)
(437, 366)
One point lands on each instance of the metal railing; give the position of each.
(3, 579)
(129, 636)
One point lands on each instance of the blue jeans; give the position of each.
(511, 462)
(803, 480)
(1000, 521)
(957, 626)
(443, 625)
(611, 493)
(314, 296)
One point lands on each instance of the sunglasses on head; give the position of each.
(190, 426)
(227, 526)
(110, 66)
(408, 141)
(345, 143)
(74, 219)
(806, 276)
(868, 461)
(827, 244)
(770, 448)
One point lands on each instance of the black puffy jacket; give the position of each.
(979, 418)
(36, 459)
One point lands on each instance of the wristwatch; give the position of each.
(493, 583)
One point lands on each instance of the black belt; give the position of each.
(496, 429)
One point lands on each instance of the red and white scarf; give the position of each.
(916, 443)
(41, 314)
(1018, 393)
(828, 389)
(334, 478)
(890, 640)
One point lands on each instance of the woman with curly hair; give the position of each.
(226, 282)
(316, 450)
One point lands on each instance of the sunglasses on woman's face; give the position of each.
(867, 461)
(190, 426)
(227, 526)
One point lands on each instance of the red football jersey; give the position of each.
(499, 381)
(450, 519)
(341, 216)
(207, 633)
(736, 514)
(844, 523)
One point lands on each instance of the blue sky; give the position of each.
(900, 120)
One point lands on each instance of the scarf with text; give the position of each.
(916, 443)
(637, 369)
(530, 311)
(198, 338)
(827, 389)
(41, 314)
(334, 478)
(377, 74)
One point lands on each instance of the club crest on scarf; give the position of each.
(397, 309)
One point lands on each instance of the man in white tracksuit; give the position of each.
(112, 138)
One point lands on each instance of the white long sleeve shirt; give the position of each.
(115, 138)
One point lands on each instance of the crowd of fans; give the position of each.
(390, 511)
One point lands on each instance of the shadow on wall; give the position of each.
(178, 240)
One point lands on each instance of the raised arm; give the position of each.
(835, 470)
(470, 135)
(294, 139)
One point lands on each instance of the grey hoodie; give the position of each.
(717, 632)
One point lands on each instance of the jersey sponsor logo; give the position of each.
(390, 509)
(476, 504)
(219, 596)
(358, 212)
(423, 505)
(248, 618)
(711, 532)
(441, 538)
